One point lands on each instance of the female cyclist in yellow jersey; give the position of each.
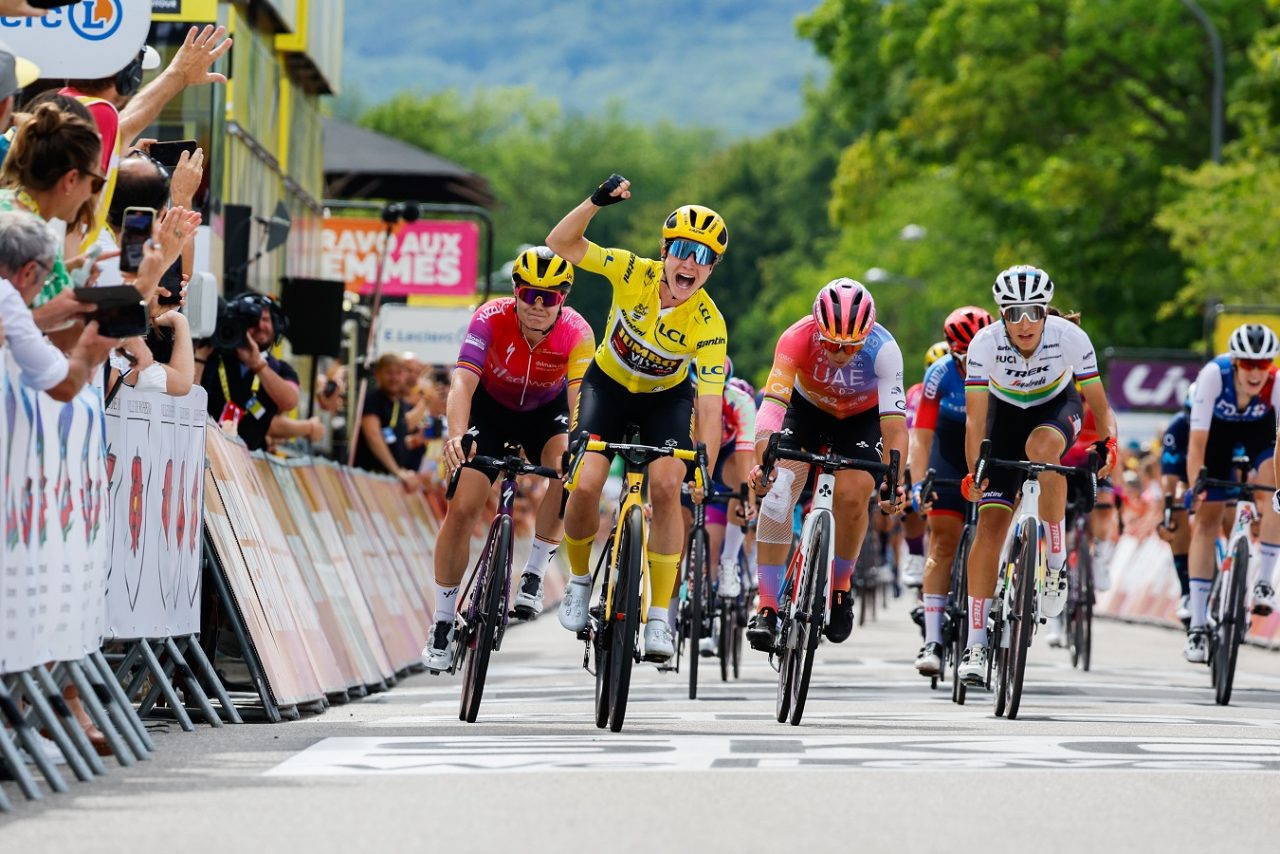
(659, 322)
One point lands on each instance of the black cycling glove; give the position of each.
(601, 197)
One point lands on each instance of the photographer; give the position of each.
(27, 251)
(247, 385)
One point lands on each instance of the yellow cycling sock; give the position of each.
(578, 553)
(663, 570)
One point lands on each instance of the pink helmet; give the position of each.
(844, 311)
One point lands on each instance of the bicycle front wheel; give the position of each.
(958, 602)
(1230, 631)
(695, 571)
(625, 623)
(813, 602)
(484, 634)
(1022, 622)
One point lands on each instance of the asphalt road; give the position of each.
(1133, 755)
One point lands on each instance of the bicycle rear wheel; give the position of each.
(695, 572)
(625, 624)
(604, 631)
(727, 616)
(1023, 622)
(484, 633)
(1230, 631)
(813, 596)
(1084, 628)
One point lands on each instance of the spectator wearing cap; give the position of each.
(248, 386)
(16, 73)
(27, 250)
(380, 444)
(123, 108)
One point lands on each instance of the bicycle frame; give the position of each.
(1246, 515)
(1026, 517)
(824, 490)
(467, 616)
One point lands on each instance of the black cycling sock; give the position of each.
(1180, 567)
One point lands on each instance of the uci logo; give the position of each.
(95, 20)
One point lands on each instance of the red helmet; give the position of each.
(844, 311)
(962, 324)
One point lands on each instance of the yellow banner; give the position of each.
(185, 11)
(1227, 321)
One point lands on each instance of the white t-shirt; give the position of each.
(43, 365)
(1065, 355)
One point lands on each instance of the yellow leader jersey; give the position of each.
(645, 347)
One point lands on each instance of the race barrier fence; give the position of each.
(1144, 589)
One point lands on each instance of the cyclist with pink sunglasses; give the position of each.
(836, 381)
(517, 378)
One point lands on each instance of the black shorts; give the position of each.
(498, 429)
(947, 459)
(1229, 439)
(809, 428)
(605, 409)
(1009, 427)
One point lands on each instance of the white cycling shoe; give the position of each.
(528, 602)
(1184, 610)
(1055, 632)
(574, 605)
(659, 643)
(913, 571)
(729, 584)
(1054, 601)
(1264, 599)
(1197, 648)
(437, 655)
(973, 666)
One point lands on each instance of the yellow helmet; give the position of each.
(539, 267)
(936, 352)
(699, 224)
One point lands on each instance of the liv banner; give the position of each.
(426, 258)
(1152, 385)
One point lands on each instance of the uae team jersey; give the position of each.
(646, 347)
(738, 420)
(943, 397)
(1215, 398)
(518, 376)
(872, 378)
(1065, 355)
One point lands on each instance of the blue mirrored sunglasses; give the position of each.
(683, 248)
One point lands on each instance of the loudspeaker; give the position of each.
(236, 225)
(314, 309)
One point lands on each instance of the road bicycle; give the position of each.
(1017, 608)
(613, 625)
(804, 602)
(482, 619)
(698, 618)
(955, 625)
(1228, 610)
(1080, 591)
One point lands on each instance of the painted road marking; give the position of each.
(535, 753)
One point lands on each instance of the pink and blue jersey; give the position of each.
(519, 376)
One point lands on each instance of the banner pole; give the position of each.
(89, 698)
(193, 685)
(196, 654)
(40, 706)
(72, 726)
(26, 734)
(122, 701)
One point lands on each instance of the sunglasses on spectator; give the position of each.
(1019, 313)
(1254, 364)
(839, 346)
(683, 248)
(530, 295)
(99, 181)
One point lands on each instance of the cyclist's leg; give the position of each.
(773, 542)
(452, 555)
(944, 538)
(1058, 423)
(913, 529)
(851, 503)
(1103, 522)
(600, 411)
(1262, 455)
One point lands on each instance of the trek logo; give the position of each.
(1042, 369)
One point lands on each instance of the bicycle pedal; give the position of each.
(584, 635)
(522, 612)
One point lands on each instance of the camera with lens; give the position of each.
(238, 315)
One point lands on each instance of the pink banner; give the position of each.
(426, 258)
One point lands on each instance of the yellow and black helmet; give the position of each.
(936, 352)
(539, 267)
(699, 224)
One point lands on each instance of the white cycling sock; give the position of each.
(446, 603)
(540, 556)
(752, 572)
(1266, 567)
(934, 606)
(1057, 552)
(733, 536)
(1200, 602)
(978, 611)
(659, 614)
(1102, 550)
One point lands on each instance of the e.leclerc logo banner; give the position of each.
(426, 258)
(86, 40)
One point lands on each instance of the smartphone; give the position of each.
(121, 313)
(81, 274)
(169, 153)
(135, 231)
(172, 282)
